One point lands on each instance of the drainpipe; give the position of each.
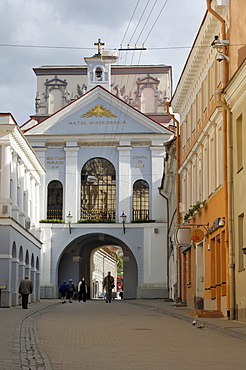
(168, 230)
(227, 145)
(167, 104)
(229, 202)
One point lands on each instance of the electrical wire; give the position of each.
(146, 21)
(91, 48)
(130, 22)
(155, 21)
(139, 21)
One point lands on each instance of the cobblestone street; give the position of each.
(138, 334)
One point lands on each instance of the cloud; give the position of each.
(79, 23)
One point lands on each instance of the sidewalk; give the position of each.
(232, 328)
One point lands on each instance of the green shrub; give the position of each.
(96, 221)
(52, 221)
(141, 221)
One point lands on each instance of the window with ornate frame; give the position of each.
(140, 200)
(98, 190)
(55, 200)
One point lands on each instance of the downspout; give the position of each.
(227, 172)
(167, 104)
(168, 230)
(230, 218)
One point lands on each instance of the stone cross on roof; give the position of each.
(99, 44)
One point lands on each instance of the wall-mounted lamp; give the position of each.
(218, 44)
(221, 56)
(222, 222)
(69, 219)
(123, 220)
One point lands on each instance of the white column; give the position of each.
(157, 163)
(27, 195)
(5, 173)
(72, 200)
(37, 203)
(14, 187)
(124, 182)
(42, 191)
(33, 278)
(32, 201)
(21, 192)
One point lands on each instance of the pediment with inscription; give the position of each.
(97, 112)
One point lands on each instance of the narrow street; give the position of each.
(121, 335)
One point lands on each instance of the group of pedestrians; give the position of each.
(68, 291)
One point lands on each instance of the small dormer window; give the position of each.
(98, 74)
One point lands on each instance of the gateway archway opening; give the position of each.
(103, 260)
(77, 261)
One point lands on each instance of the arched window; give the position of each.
(98, 190)
(98, 74)
(55, 200)
(140, 200)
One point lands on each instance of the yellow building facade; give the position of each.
(206, 273)
(236, 101)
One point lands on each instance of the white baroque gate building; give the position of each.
(102, 157)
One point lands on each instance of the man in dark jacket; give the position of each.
(63, 291)
(108, 284)
(25, 289)
(70, 290)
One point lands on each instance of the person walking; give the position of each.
(108, 284)
(82, 290)
(25, 289)
(70, 290)
(63, 291)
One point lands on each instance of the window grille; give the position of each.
(98, 190)
(140, 200)
(55, 200)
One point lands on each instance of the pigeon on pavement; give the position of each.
(202, 326)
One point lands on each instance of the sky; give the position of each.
(35, 33)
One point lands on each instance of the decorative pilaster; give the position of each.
(157, 164)
(5, 178)
(14, 187)
(42, 191)
(20, 191)
(124, 182)
(72, 201)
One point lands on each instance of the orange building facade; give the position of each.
(206, 267)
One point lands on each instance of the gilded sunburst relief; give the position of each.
(98, 111)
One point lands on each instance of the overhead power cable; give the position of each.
(91, 48)
(130, 22)
(146, 21)
(139, 21)
(46, 47)
(155, 21)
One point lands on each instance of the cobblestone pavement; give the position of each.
(137, 334)
(133, 335)
(27, 351)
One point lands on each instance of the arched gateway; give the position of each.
(75, 261)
